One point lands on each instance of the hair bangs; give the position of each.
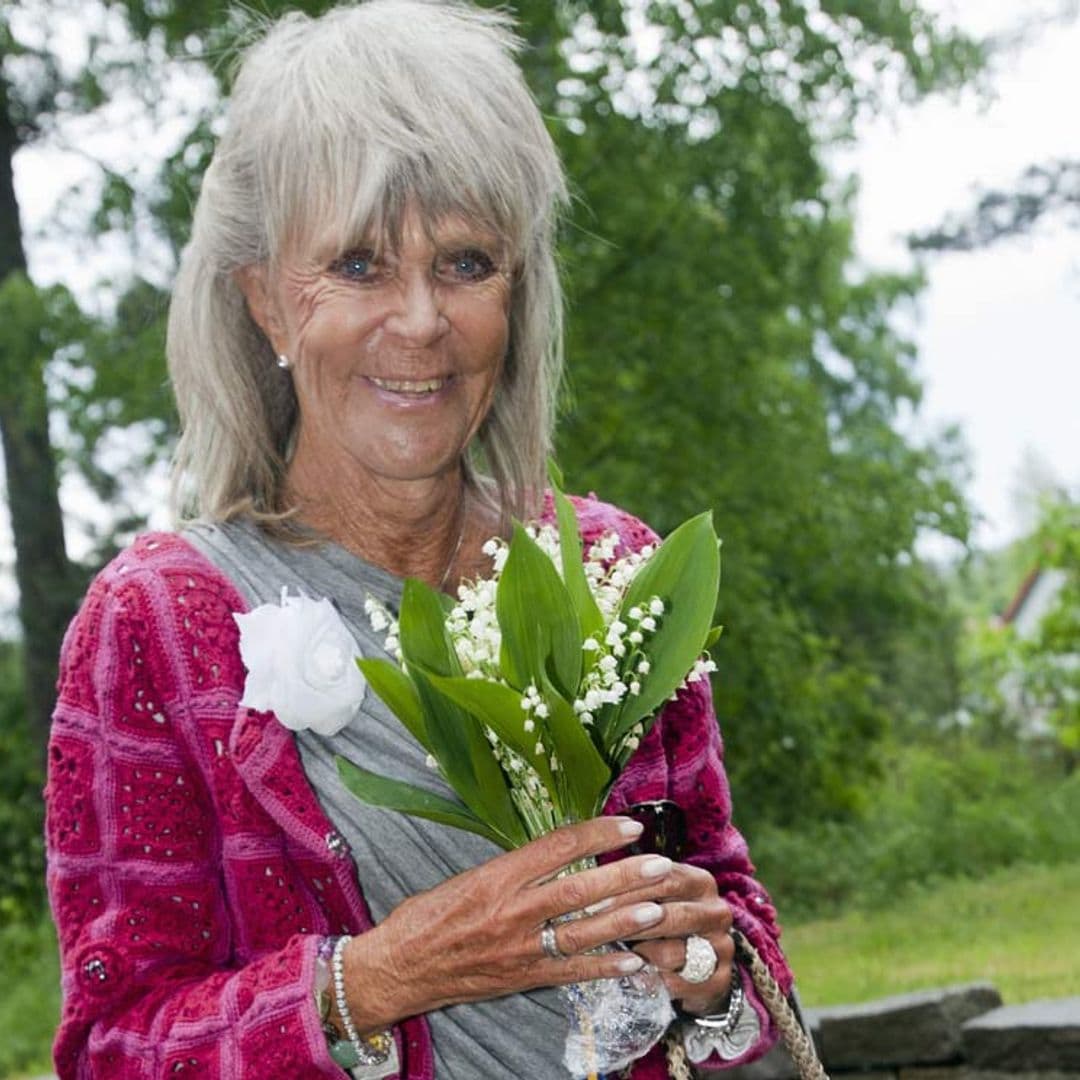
(338, 191)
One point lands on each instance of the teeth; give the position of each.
(402, 386)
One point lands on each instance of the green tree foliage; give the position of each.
(42, 567)
(1052, 657)
(70, 382)
(724, 350)
(1022, 686)
(989, 662)
(29, 319)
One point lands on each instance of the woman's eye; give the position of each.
(354, 264)
(472, 265)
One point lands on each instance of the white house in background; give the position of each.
(1033, 600)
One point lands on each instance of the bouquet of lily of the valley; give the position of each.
(531, 690)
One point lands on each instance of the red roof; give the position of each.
(1022, 594)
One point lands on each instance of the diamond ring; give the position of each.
(700, 960)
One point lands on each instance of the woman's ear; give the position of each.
(254, 283)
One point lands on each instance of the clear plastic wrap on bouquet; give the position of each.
(613, 1022)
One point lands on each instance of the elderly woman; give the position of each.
(364, 341)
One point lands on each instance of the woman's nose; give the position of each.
(417, 316)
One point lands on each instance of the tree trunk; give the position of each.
(42, 569)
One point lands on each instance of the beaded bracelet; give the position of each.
(368, 1050)
(341, 1050)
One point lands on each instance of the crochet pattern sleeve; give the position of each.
(682, 759)
(157, 977)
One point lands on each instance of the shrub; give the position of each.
(30, 1003)
(940, 812)
(22, 853)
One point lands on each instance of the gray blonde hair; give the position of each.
(338, 122)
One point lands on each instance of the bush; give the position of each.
(939, 813)
(30, 1003)
(22, 851)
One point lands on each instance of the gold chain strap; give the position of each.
(799, 1045)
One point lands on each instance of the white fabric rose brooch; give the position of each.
(301, 664)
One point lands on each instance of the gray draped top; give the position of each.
(395, 855)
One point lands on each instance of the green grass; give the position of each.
(1017, 928)
(29, 1000)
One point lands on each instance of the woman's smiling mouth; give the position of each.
(411, 387)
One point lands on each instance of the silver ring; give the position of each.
(700, 960)
(549, 943)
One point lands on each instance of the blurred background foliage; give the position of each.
(725, 350)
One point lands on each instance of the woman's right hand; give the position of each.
(477, 935)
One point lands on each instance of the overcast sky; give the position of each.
(999, 329)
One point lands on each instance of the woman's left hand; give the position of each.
(691, 905)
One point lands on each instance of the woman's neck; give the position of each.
(429, 529)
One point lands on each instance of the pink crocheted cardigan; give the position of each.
(191, 868)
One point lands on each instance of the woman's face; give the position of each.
(395, 357)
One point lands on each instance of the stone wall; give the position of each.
(960, 1033)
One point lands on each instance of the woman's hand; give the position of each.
(478, 934)
(691, 905)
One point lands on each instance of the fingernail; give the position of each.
(630, 828)
(644, 914)
(600, 905)
(629, 963)
(655, 866)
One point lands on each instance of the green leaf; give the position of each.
(422, 630)
(583, 771)
(714, 636)
(381, 791)
(589, 617)
(685, 573)
(541, 637)
(426, 646)
(398, 692)
(500, 708)
(493, 786)
(459, 745)
(454, 738)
